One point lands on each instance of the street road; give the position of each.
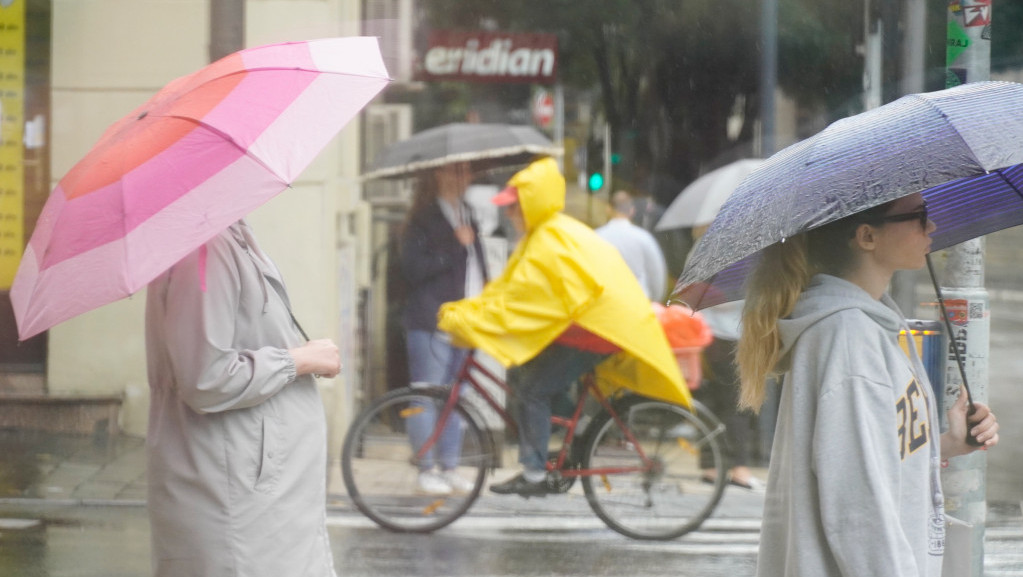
(113, 541)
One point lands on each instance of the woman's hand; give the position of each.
(319, 357)
(465, 235)
(982, 424)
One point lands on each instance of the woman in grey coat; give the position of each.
(237, 434)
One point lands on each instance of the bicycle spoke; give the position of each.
(381, 466)
(663, 496)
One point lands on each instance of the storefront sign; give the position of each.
(490, 57)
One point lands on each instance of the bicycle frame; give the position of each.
(467, 377)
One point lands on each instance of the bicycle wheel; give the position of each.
(380, 468)
(659, 493)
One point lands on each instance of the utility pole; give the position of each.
(968, 59)
(768, 75)
(912, 58)
(227, 27)
(873, 39)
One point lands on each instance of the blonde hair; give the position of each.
(771, 293)
(774, 286)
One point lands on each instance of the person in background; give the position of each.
(565, 304)
(720, 392)
(441, 261)
(854, 486)
(638, 247)
(237, 441)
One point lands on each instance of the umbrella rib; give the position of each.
(464, 156)
(958, 134)
(228, 138)
(312, 70)
(284, 68)
(1018, 192)
(699, 299)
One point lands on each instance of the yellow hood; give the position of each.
(561, 273)
(541, 190)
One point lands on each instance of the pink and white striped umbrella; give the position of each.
(203, 152)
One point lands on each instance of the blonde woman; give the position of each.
(854, 485)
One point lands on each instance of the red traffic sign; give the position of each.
(543, 108)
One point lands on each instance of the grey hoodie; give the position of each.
(854, 486)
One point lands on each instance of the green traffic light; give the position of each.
(596, 181)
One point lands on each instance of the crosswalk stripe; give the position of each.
(729, 537)
(1003, 551)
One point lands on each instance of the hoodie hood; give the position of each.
(541, 190)
(827, 295)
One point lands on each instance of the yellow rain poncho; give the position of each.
(562, 273)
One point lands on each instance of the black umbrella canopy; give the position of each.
(961, 147)
(485, 146)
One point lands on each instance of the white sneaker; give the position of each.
(457, 483)
(431, 483)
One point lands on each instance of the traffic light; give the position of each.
(595, 169)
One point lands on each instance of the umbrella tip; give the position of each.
(143, 115)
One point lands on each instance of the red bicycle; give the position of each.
(638, 459)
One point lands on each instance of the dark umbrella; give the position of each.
(961, 147)
(485, 146)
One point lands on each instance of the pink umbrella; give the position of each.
(202, 153)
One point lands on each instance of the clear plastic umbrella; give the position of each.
(699, 203)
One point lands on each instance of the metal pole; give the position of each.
(227, 27)
(968, 59)
(559, 122)
(914, 46)
(606, 190)
(873, 36)
(768, 74)
(903, 287)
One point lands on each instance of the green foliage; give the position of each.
(1006, 36)
(818, 62)
(670, 73)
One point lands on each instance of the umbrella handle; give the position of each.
(970, 439)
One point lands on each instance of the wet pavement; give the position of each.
(113, 542)
(83, 514)
(56, 538)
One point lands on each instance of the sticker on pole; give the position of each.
(958, 42)
(958, 311)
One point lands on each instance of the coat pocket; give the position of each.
(271, 456)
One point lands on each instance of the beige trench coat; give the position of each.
(236, 443)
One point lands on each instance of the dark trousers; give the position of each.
(720, 393)
(537, 384)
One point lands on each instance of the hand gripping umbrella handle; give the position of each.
(970, 439)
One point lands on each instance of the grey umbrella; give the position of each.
(485, 146)
(961, 147)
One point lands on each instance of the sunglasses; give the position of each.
(920, 215)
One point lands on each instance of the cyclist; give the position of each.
(565, 304)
